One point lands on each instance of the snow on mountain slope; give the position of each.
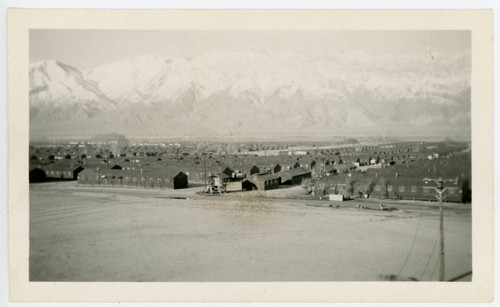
(248, 91)
(59, 92)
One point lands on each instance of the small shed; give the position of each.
(180, 181)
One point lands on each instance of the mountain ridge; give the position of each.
(243, 91)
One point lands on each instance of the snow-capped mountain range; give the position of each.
(253, 92)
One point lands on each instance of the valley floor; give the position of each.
(112, 234)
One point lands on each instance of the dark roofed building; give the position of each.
(254, 170)
(88, 176)
(62, 170)
(37, 175)
(362, 185)
(294, 176)
(228, 172)
(223, 176)
(116, 166)
(180, 181)
(171, 179)
(145, 178)
(261, 182)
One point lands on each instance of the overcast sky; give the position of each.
(86, 49)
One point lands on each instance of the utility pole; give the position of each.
(205, 168)
(440, 189)
(107, 173)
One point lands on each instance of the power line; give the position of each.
(433, 270)
(430, 256)
(461, 276)
(412, 245)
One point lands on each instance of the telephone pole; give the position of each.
(205, 168)
(440, 189)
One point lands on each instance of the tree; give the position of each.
(112, 142)
(466, 192)
(368, 188)
(313, 164)
(122, 142)
(320, 189)
(306, 186)
(99, 147)
(350, 186)
(383, 188)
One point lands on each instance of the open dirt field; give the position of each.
(106, 234)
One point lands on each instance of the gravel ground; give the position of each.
(102, 234)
